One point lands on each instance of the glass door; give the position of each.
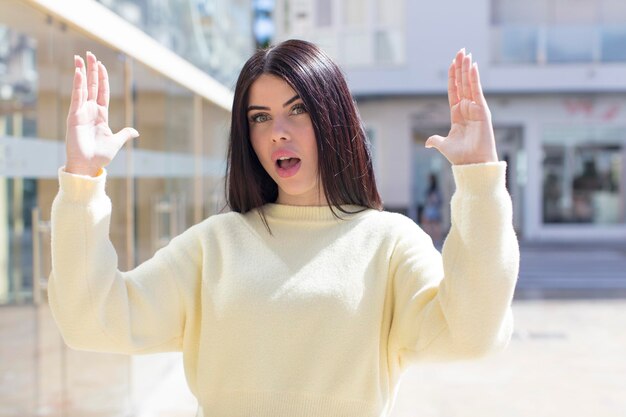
(43, 376)
(18, 195)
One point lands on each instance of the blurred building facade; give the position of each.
(213, 35)
(263, 23)
(552, 71)
(160, 184)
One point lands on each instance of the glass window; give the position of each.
(613, 39)
(570, 44)
(533, 12)
(355, 13)
(516, 44)
(215, 122)
(36, 70)
(427, 167)
(390, 14)
(164, 164)
(390, 47)
(558, 31)
(214, 35)
(582, 178)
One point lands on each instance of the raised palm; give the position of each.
(471, 139)
(90, 143)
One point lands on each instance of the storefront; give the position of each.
(565, 154)
(576, 154)
(168, 179)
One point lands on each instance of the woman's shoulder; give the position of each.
(221, 220)
(212, 229)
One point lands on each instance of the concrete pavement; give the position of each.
(574, 270)
(567, 358)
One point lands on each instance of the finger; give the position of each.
(467, 91)
(458, 63)
(477, 89)
(103, 85)
(92, 76)
(453, 93)
(83, 78)
(434, 141)
(77, 86)
(125, 135)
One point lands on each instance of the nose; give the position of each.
(280, 132)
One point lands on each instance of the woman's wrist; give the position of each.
(479, 160)
(82, 170)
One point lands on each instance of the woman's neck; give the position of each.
(314, 197)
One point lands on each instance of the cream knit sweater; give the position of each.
(321, 318)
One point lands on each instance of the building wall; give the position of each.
(432, 32)
(552, 74)
(214, 35)
(524, 126)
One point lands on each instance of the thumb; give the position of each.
(125, 135)
(434, 141)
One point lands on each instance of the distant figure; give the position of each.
(584, 185)
(431, 216)
(552, 199)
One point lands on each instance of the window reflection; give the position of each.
(18, 75)
(163, 161)
(36, 70)
(516, 44)
(570, 44)
(214, 35)
(581, 184)
(558, 31)
(613, 40)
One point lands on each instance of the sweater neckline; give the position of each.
(287, 212)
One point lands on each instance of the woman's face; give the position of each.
(283, 139)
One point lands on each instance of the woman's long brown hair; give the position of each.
(345, 163)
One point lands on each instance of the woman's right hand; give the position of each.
(90, 143)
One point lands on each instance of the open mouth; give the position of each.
(286, 163)
(287, 167)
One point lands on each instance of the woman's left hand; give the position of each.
(471, 139)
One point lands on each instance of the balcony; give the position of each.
(558, 44)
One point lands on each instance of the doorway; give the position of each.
(426, 162)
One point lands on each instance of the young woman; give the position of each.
(306, 299)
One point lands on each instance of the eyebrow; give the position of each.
(286, 103)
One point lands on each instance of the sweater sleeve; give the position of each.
(96, 306)
(457, 305)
